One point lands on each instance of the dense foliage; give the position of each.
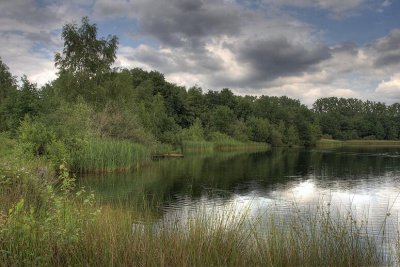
(353, 119)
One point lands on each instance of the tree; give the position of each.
(7, 87)
(222, 119)
(7, 81)
(85, 63)
(19, 103)
(291, 136)
(84, 52)
(260, 129)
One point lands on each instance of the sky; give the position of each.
(304, 49)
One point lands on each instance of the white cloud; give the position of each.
(389, 90)
(21, 59)
(29, 35)
(306, 92)
(387, 3)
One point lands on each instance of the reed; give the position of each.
(222, 145)
(102, 155)
(115, 237)
(197, 146)
(231, 146)
(330, 143)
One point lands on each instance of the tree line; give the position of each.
(90, 98)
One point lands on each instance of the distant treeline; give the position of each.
(352, 118)
(90, 100)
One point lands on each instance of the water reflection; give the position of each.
(281, 174)
(362, 181)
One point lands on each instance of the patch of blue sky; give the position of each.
(362, 27)
(126, 30)
(43, 3)
(251, 4)
(43, 50)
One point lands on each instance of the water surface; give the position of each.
(362, 181)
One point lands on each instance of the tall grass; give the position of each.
(330, 143)
(43, 222)
(251, 146)
(102, 155)
(221, 145)
(69, 229)
(114, 237)
(223, 142)
(197, 146)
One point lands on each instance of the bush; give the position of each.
(119, 123)
(370, 137)
(35, 136)
(45, 234)
(38, 140)
(193, 133)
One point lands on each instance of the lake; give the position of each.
(360, 182)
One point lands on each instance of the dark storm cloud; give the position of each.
(279, 57)
(187, 22)
(177, 23)
(387, 50)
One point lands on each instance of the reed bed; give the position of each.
(197, 146)
(330, 143)
(115, 237)
(221, 145)
(231, 146)
(101, 155)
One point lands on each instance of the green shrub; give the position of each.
(370, 137)
(45, 233)
(36, 136)
(36, 139)
(193, 133)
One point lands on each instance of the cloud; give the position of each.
(21, 59)
(306, 92)
(276, 57)
(386, 50)
(177, 23)
(228, 44)
(390, 90)
(386, 3)
(30, 35)
(265, 53)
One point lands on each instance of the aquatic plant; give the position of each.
(104, 155)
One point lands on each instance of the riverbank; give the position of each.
(51, 226)
(330, 143)
(222, 145)
(46, 221)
